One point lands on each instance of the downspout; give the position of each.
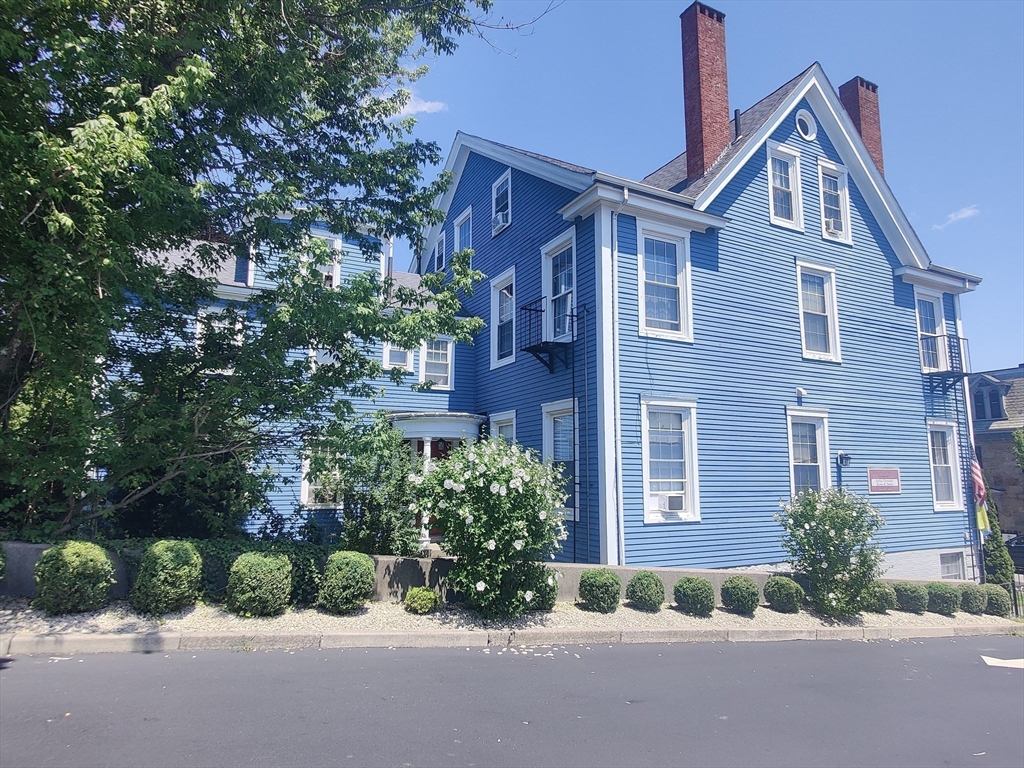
(617, 411)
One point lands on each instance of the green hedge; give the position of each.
(694, 595)
(741, 594)
(600, 589)
(943, 598)
(347, 583)
(879, 597)
(783, 594)
(422, 600)
(998, 600)
(646, 591)
(973, 598)
(170, 578)
(259, 584)
(73, 577)
(912, 598)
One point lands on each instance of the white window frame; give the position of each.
(336, 245)
(451, 365)
(819, 417)
(681, 239)
(812, 125)
(549, 411)
(506, 278)
(791, 156)
(953, 446)
(409, 366)
(923, 294)
(548, 251)
(958, 562)
(691, 492)
(439, 255)
(834, 169)
(306, 489)
(831, 309)
(466, 214)
(506, 176)
(504, 418)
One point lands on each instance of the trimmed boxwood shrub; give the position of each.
(879, 597)
(170, 578)
(646, 591)
(943, 598)
(72, 577)
(422, 600)
(600, 589)
(912, 598)
(973, 598)
(741, 594)
(783, 594)
(998, 600)
(259, 584)
(695, 596)
(347, 583)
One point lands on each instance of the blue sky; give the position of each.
(599, 83)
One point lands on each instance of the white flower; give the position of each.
(459, 488)
(494, 487)
(480, 483)
(442, 504)
(824, 565)
(469, 519)
(412, 507)
(551, 581)
(491, 545)
(807, 526)
(516, 483)
(480, 586)
(543, 515)
(412, 477)
(528, 595)
(518, 544)
(503, 490)
(448, 484)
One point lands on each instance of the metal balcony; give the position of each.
(945, 360)
(534, 336)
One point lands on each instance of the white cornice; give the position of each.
(939, 278)
(668, 208)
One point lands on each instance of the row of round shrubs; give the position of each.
(75, 576)
(947, 599)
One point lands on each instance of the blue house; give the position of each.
(753, 318)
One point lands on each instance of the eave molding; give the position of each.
(640, 204)
(945, 281)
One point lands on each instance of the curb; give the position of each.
(24, 644)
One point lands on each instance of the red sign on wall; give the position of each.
(883, 480)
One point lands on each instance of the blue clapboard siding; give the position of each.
(525, 385)
(745, 364)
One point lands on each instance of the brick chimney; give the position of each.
(705, 87)
(860, 98)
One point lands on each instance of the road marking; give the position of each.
(1011, 663)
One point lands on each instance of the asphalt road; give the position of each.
(909, 703)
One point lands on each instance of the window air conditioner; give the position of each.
(499, 221)
(833, 227)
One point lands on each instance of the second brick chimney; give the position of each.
(705, 87)
(860, 98)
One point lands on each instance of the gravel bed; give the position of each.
(17, 616)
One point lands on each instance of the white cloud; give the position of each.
(955, 216)
(418, 106)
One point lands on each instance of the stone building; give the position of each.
(997, 400)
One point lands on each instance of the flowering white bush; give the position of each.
(829, 538)
(495, 505)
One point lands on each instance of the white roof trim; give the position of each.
(939, 278)
(665, 207)
(837, 124)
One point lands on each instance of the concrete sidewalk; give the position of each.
(27, 644)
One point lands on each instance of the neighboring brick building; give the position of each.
(997, 400)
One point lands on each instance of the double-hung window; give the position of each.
(464, 230)
(314, 491)
(670, 462)
(503, 318)
(930, 327)
(835, 201)
(559, 274)
(784, 201)
(440, 259)
(819, 319)
(560, 447)
(501, 203)
(809, 466)
(944, 456)
(396, 357)
(664, 284)
(438, 363)
(503, 425)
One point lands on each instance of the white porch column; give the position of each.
(425, 519)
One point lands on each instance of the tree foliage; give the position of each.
(130, 129)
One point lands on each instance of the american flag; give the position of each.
(980, 497)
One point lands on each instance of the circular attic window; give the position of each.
(805, 125)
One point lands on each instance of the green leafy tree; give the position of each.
(1018, 447)
(131, 128)
(998, 563)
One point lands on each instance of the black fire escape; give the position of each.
(535, 336)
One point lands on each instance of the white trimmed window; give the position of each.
(784, 203)
(312, 493)
(944, 456)
(835, 201)
(440, 258)
(503, 318)
(664, 281)
(951, 565)
(438, 363)
(396, 357)
(819, 319)
(560, 447)
(501, 203)
(464, 230)
(503, 425)
(809, 466)
(559, 275)
(931, 330)
(670, 461)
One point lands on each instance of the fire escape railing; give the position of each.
(533, 336)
